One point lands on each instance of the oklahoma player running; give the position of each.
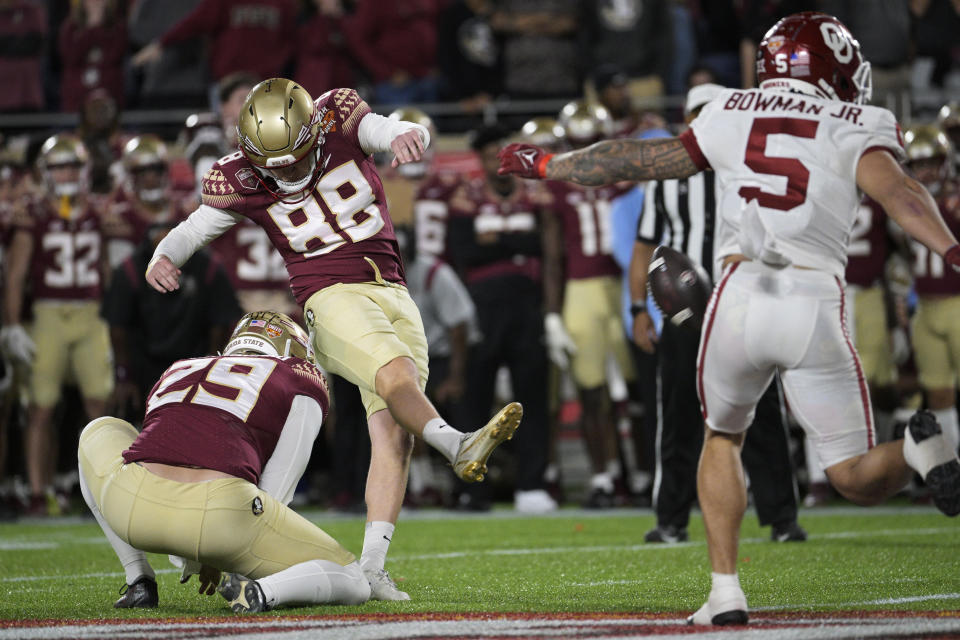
(305, 174)
(788, 204)
(225, 440)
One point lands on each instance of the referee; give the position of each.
(680, 214)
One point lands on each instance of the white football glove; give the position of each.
(189, 567)
(17, 343)
(560, 346)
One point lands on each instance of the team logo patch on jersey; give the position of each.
(328, 121)
(246, 178)
(257, 506)
(274, 331)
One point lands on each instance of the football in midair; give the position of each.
(680, 287)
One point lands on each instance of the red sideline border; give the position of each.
(755, 617)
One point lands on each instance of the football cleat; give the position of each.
(924, 442)
(788, 532)
(667, 534)
(476, 446)
(382, 586)
(142, 594)
(735, 615)
(534, 501)
(242, 594)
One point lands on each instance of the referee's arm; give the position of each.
(650, 227)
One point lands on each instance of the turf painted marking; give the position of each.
(434, 626)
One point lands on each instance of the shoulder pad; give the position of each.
(310, 372)
(348, 108)
(228, 181)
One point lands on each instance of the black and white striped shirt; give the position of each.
(682, 215)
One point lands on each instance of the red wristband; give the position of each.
(542, 165)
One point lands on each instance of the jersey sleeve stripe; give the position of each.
(689, 140)
(878, 147)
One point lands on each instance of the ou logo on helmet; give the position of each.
(837, 41)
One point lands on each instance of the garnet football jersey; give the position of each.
(431, 211)
(932, 276)
(125, 222)
(66, 259)
(325, 236)
(587, 235)
(224, 412)
(512, 218)
(796, 157)
(250, 259)
(867, 252)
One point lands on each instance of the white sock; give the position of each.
(949, 425)
(442, 437)
(316, 582)
(376, 541)
(134, 561)
(602, 481)
(726, 594)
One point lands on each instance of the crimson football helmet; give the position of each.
(814, 53)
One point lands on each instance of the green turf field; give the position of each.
(892, 558)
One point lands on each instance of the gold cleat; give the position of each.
(476, 446)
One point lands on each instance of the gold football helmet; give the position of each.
(269, 333)
(279, 133)
(544, 132)
(585, 122)
(145, 161)
(949, 116)
(58, 154)
(929, 154)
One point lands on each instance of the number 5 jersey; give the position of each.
(787, 166)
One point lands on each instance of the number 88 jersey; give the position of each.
(325, 235)
(795, 157)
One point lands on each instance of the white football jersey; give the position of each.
(786, 165)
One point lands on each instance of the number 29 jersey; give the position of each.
(324, 237)
(227, 412)
(795, 157)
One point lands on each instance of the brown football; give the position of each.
(680, 287)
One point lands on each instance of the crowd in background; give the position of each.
(475, 243)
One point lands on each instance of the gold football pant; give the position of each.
(229, 524)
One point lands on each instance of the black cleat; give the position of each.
(790, 531)
(142, 594)
(943, 479)
(242, 594)
(666, 533)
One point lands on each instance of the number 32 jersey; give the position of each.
(227, 412)
(786, 164)
(324, 237)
